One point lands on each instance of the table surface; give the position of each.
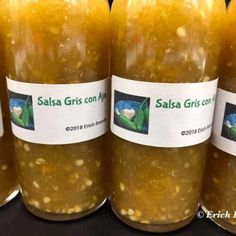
(16, 221)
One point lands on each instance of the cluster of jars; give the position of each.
(172, 66)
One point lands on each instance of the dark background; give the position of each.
(16, 221)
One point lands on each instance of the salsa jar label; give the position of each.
(58, 113)
(1, 123)
(224, 125)
(162, 114)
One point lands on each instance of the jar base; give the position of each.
(61, 217)
(154, 228)
(221, 223)
(12, 195)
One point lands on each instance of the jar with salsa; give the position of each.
(219, 190)
(58, 62)
(165, 69)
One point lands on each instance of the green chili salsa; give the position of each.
(59, 42)
(8, 183)
(167, 42)
(219, 191)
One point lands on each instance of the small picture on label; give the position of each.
(131, 112)
(21, 109)
(229, 124)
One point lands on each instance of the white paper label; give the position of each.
(58, 113)
(1, 123)
(224, 126)
(162, 114)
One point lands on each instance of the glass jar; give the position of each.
(8, 183)
(219, 190)
(58, 62)
(164, 66)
